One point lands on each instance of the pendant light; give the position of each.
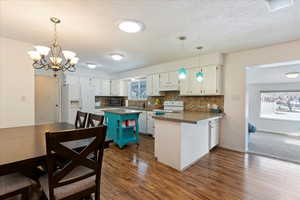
(199, 75)
(182, 72)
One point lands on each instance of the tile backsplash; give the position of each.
(191, 103)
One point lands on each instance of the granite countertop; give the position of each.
(123, 107)
(122, 111)
(189, 117)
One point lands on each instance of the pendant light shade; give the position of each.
(199, 76)
(182, 73)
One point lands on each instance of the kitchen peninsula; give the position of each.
(183, 138)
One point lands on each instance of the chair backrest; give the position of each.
(81, 118)
(94, 120)
(55, 148)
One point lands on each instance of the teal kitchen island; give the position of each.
(122, 126)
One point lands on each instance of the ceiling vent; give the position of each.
(275, 5)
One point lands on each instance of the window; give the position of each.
(137, 90)
(282, 105)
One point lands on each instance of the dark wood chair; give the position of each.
(14, 184)
(80, 177)
(94, 120)
(81, 118)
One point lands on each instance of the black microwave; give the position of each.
(116, 101)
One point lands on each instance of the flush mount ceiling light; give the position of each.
(117, 56)
(91, 66)
(292, 74)
(275, 5)
(131, 26)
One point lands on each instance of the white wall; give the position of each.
(16, 84)
(234, 124)
(205, 60)
(271, 125)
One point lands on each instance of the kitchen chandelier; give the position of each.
(53, 58)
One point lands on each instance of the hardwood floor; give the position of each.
(134, 174)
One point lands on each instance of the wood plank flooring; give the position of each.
(133, 174)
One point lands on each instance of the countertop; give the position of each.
(122, 111)
(130, 108)
(189, 117)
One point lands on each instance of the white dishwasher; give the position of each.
(214, 129)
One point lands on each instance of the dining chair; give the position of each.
(94, 120)
(80, 177)
(80, 120)
(14, 184)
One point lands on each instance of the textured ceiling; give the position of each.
(89, 27)
(272, 74)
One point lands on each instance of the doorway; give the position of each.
(47, 99)
(273, 111)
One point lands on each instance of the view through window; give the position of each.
(137, 90)
(283, 105)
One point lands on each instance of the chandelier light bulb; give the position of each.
(56, 60)
(74, 61)
(42, 50)
(69, 54)
(34, 55)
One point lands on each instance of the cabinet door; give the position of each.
(214, 133)
(74, 92)
(123, 88)
(196, 87)
(210, 80)
(185, 85)
(106, 87)
(155, 85)
(173, 79)
(115, 88)
(150, 123)
(163, 80)
(143, 122)
(97, 86)
(149, 89)
(87, 95)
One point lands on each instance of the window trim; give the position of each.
(129, 90)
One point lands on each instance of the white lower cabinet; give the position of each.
(214, 133)
(150, 123)
(143, 122)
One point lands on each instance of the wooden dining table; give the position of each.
(24, 147)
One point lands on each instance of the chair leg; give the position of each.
(25, 194)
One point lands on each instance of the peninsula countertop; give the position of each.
(189, 117)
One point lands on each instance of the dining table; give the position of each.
(24, 148)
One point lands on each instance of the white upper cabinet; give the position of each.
(106, 87)
(124, 88)
(211, 84)
(168, 81)
(115, 87)
(153, 85)
(101, 87)
(119, 88)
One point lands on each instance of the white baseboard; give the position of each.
(277, 132)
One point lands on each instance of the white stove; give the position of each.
(173, 106)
